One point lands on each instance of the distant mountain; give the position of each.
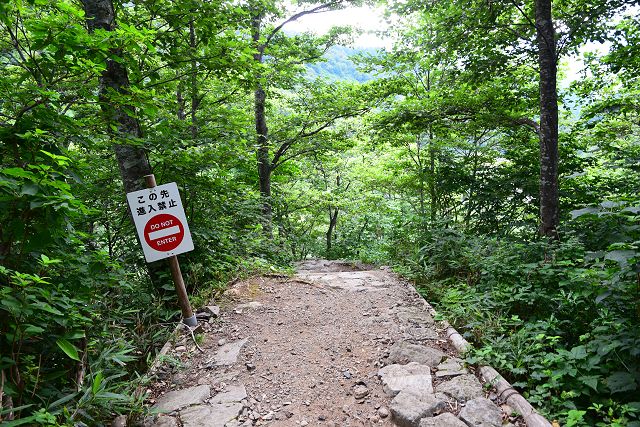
(339, 66)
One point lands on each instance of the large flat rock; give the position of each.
(481, 412)
(409, 408)
(404, 352)
(413, 376)
(232, 394)
(178, 399)
(228, 354)
(216, 415)
(462, 388)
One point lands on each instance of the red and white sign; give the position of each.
(160, 221)
(164, 232)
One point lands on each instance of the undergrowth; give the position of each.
(560, 320)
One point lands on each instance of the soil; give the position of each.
(313, 340)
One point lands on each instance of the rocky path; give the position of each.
(336, 345)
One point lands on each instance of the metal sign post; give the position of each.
(164, 233)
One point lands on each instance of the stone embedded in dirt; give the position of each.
(250, 305)
(360, 392)
(414, 315)
(462, 388)
(165, 421)
(232, 394)
(213, 310)
(176, 400)
(383, 412)
(228, 353)
(408, 407)
(119, 421)
(413, 376)
(160, 420)
(444, 420)
(451, 367)
(420, 333)
(481, 412)
(404, 352)
(217, 415)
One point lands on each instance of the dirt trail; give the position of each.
(305, 350)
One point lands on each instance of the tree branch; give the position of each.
(318, 9)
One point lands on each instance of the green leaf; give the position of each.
(17, 173)
(585, 211)
(19, 422)
(31, 329)
(97, 382)
(30, 188)
(621, 256)
(590, 380)
(621, 381)
(115, 396)
(578, 352)
(62, 400)
(69, 349)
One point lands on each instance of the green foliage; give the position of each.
(425, 157)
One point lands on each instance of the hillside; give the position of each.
(340, 64)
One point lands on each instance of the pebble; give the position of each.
(304, 423)
(360, 392)
(181, 348)
(222, 342)
(383, 412)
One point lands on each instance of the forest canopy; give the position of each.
(460, 155)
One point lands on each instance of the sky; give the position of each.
(365, 18)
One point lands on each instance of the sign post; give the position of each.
(164, 233)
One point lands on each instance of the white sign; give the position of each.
(160, 221)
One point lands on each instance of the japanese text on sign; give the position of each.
(160, 221)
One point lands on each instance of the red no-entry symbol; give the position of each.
(164, 232)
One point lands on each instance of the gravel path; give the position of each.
(308, 350)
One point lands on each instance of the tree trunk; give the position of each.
(264, 162)
(180, 100)
(432, 179)
(194, 80)
(132, 160)
(262, 132)
(549, 217)
(333, 221)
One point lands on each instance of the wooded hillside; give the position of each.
(456, 157)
